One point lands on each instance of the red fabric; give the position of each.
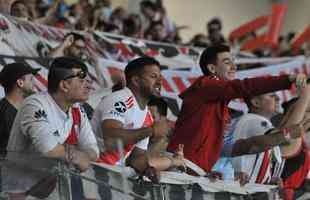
(258, 42)
(249, 27)
(72, 138)
(112, 157)
(264, 167)
(276, 23)
(300, 39)
(297, 178)
(288, 194)
(203, 117)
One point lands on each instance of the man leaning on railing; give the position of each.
(53, 124)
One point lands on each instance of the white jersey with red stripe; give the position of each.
(123, 107)
(40, 125)
(257, 166)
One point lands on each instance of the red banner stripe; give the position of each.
(41, 79)
(249, 27)
(166, 86)
(179, 83)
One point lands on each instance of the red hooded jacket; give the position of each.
(204, 114)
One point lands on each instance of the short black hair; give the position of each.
(60, 68)
(76, 36)
(130, 27)
(161, 104)
(209, 56)
(248, 102)
(12, 72)
(14, 3)
(108, 27)
(137, 65)
(214, 21)
(148, 4)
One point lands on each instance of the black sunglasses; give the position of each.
(80, 74)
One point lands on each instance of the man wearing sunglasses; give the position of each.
(54, 125)
(74, 45)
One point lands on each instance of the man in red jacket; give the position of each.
(204, 113)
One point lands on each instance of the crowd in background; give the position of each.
(152, 23)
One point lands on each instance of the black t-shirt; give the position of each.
(7, 116)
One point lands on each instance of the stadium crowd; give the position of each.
(262, 146)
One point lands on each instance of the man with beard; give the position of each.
(16, 78)
(124, 115)
(72, 46)
(52, 124)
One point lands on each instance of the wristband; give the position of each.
(286, 133)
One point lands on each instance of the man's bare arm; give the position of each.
(80, 158)
(297, 111)
(113, 130)
(257, 144)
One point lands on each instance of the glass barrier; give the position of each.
(28, 176)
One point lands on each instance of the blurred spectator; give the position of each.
(284, 47)
(112, 28)
(73, 46)
(132, 26)
(104, 9)
(81, 15)
(157, 32)
(118, 16)
(214, 30)
(156, 12)
(28, 11)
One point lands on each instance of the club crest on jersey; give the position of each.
(120, 107)
(264, 124)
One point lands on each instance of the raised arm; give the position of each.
(50, 17)
(215, 90)
(297, 112)
(292, 121)
(59, 50)
(261, 143)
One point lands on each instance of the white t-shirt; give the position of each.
(121, 106)
(250, 125)
(39, 126)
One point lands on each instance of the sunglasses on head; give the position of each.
(80, 75)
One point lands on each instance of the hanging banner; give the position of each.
(28, 42)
